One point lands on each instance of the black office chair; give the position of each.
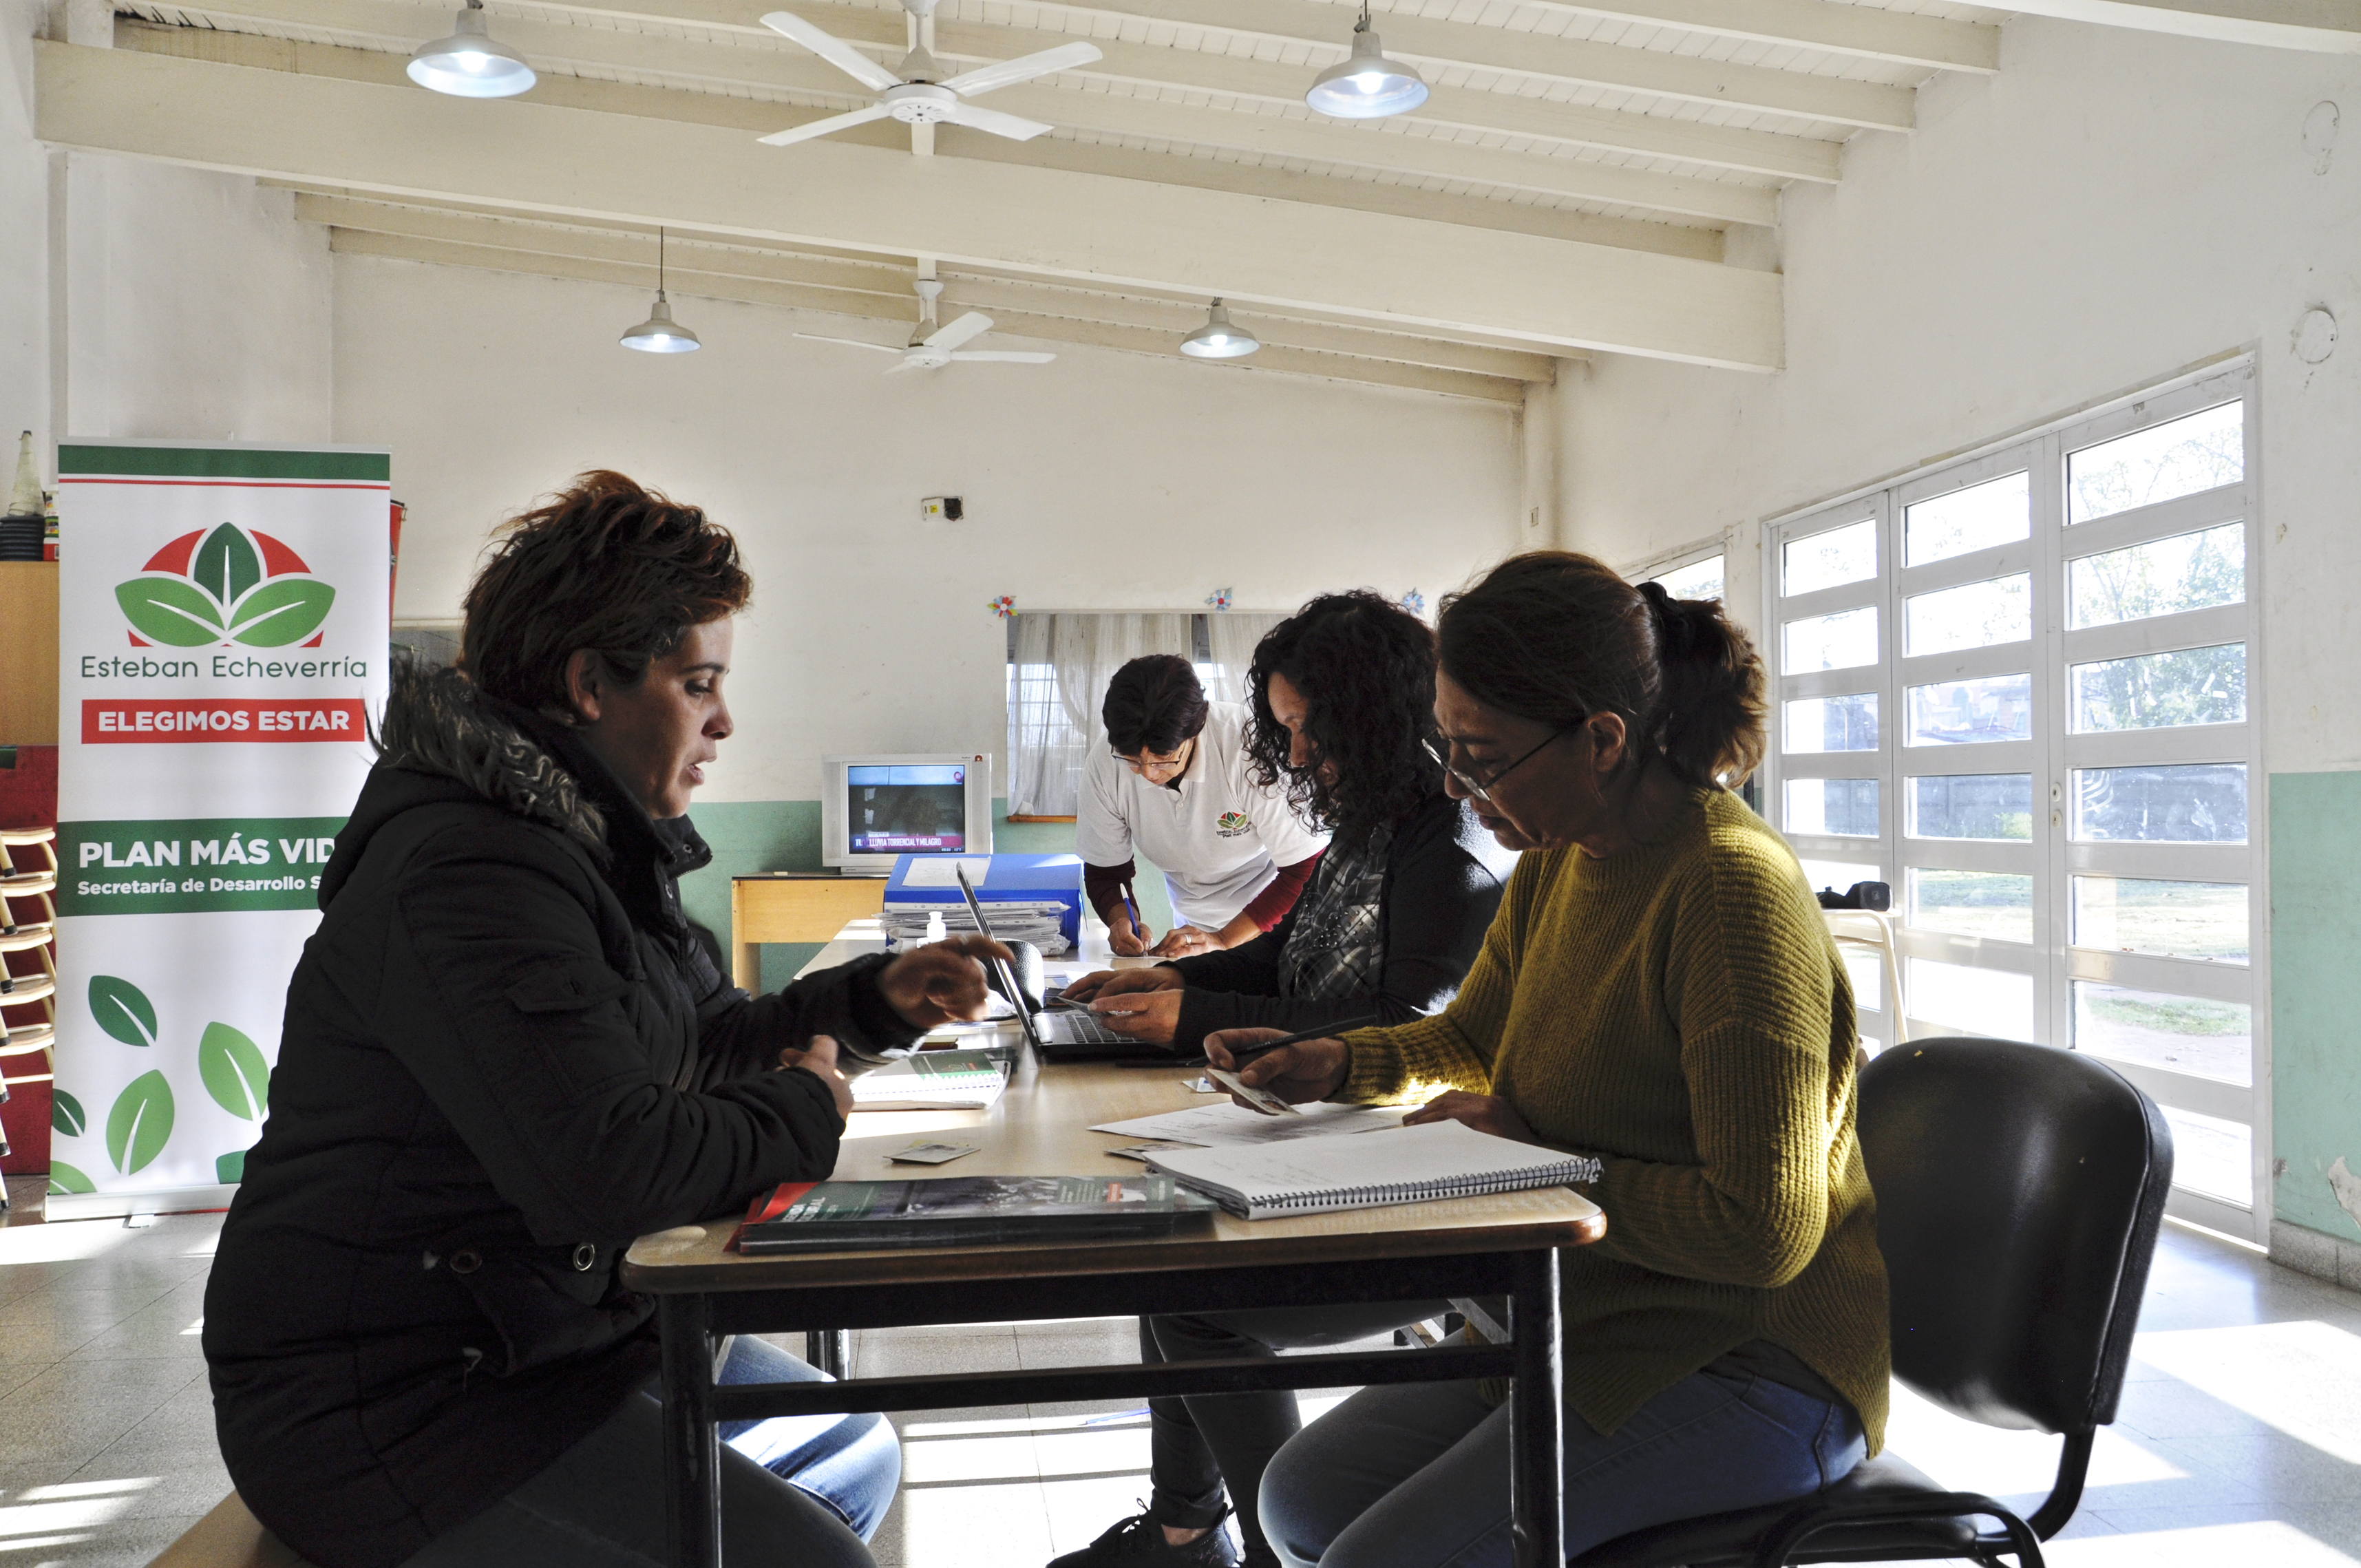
(2019, 1190)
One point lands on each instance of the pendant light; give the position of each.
(1219, 338)
(470, 63)
(1365, 85)
(660, 334)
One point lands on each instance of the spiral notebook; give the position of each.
(1368, 1170)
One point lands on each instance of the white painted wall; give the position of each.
(23, 235)
(2111, 207)
(1104, 482)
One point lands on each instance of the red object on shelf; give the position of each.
(28, 798)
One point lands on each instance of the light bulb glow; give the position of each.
(470, 63)
(1219, 338)
(660, 334)
(1365, 86)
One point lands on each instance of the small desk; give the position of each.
(793, 906)
(1504, 1245)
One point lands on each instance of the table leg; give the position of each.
(1537, 1475)
(692, 1466)
(831, 1350)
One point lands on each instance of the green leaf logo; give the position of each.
(167, 610)
(123, 1010)
(140, 1123)
(234, 1073)
(229, 1170)
(227, 564)
(64, 1178)
(284, 610)
(66, 1117)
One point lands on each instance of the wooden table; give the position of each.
(793, 906)
(1500, 1246)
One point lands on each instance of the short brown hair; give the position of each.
(604, 565)
(1554, 637)
(1152, 705)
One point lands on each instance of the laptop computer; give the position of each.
(1059, 1034)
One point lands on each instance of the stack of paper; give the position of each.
(1013, 920)
(932, 1081)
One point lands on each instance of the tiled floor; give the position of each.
(2239, 1442)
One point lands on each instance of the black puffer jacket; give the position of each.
(505, 1056)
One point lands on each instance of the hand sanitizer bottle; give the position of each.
(935, 930)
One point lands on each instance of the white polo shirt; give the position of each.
(1218, 840)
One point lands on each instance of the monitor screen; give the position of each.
(905, 811)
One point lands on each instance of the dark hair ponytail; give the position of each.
(1555, 637)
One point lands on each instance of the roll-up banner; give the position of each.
(223, 622)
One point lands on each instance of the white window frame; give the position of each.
(1687, 556)
(2051, 754)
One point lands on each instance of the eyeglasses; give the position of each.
(1482, 788)
(1153, 767)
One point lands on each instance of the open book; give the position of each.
(932, 1081)
(1405, 1164)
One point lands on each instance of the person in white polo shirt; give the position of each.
(1175, 785)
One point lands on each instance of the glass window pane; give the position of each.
(2179, 457)
(1832, 723)
(1974, 1000)
(1969, 713)
(1698, 580)
(2194, 685)
(1847, 807)
(1867, 972)
(1973, 806)
(2153, 1029)
(1839, 874)
(1973, 615)
(2212, 1156)
(1996, 905)
(1974, 519)
(1835, 641)
(1847, 554)
(2164, 576)
(2174, 919)
(2205, 803)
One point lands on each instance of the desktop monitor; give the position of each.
(874, 810)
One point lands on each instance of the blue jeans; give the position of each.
(797, 1491)
(1416, 1474)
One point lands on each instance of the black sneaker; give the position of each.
(1138, 1542)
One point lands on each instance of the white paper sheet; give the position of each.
(1211, 1126)
(943, 873)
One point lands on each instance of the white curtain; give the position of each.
(1060, 670)
(1231, 635)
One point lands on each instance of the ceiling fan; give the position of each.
(932, 348)
(921, 92)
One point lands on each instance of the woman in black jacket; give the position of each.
(505, 1056)
(1344, 716)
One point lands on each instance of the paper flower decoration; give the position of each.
(1003, 607)
(1414, 602)
(1219, 598)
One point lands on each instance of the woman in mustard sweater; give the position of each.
(1658, 990)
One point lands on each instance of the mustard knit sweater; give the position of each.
(1677, 1010)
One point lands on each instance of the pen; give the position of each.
(1246, 1054)
(1131, 908)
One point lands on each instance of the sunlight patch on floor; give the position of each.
(2302, 1378)
(2266, 1543)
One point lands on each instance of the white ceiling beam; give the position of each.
(691, 284)
(691, 253)
(1899, 37)
(1190, 71)
(1446, 45)
(2321, 26)
(1103, 232)
(555, 46)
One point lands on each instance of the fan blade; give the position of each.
(1008, 72)
(996, 122)
(1002, 356)
(834, 51)
(908, 364)
(967, 329)
(811, 128)
(848, 341)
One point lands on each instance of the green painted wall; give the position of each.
(751, 836)
(2316, 991)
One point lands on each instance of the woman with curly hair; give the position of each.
(1344, 720)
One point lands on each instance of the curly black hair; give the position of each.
(1366, 667)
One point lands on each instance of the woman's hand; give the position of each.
(1485, 1113)
(1183, 942)
(942, 983)
(1116, 981)
(1310, 1070)
(817, 1057)
(1142, 1014)
(1123, 941)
